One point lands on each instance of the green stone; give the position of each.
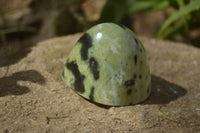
(108, 65)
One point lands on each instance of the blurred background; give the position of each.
(23, 23)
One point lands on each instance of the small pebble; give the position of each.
(195, 62)
(158, 89)
(172, 89)
(198, 109)
(153, 41)
(197, 96)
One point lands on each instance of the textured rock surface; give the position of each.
(33, 98)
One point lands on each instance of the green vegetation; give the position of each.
(187, 16)
(185, 19)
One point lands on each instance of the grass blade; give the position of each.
(194, 5)
(140, 6)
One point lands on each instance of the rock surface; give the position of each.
(33, 98)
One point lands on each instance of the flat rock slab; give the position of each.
(33, 98)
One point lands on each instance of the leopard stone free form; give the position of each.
(108, 65)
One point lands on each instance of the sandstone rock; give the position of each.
(33, 98)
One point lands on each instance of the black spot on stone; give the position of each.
(136, 41)
(140, 76)
(135, 58)
(130, 103)
(86, 42)
(129, 92)
(91, 94)
(78, 84)
(71, 80)
(129, 82)
(148, 90)
(94, 68)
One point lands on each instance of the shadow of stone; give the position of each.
(14, 57)
(9, 86)
(163, 92)
(98, 104)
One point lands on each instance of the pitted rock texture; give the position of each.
(33, 97)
